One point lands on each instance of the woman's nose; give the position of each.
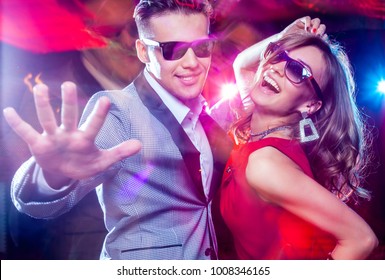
(278, 68)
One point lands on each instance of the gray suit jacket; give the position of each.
(153, 202)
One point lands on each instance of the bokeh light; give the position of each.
(229, 90)
(381, 87)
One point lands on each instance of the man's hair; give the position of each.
(147, 9)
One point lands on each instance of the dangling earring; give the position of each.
(303, 124)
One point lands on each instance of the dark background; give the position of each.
(39, 38)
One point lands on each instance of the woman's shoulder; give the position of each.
(266, 158)
(273, 174)
(272, 156)
(274, 148)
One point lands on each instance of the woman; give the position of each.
(300, 152)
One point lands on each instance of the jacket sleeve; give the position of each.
(27, 198)
(25, 188)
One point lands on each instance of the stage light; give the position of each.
(228, 91)
(381, 87)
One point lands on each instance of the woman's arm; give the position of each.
(304, 197)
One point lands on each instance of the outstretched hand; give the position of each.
(67, 152)
(306, 24)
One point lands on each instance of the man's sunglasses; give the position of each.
(176, 50)
(295, 71)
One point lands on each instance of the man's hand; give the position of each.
(67, 152)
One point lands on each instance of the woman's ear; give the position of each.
(310, 107)
(314, 106)
(141, 51)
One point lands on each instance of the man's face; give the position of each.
(185, 77)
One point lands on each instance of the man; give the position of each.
(151, 152)
(78, 234)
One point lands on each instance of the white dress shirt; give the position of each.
(188, 116)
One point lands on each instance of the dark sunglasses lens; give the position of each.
(295, 71)
(173, 50)
(176, 50)
(203, 48)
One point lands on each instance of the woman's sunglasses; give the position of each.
(295, 71)
(176, 50)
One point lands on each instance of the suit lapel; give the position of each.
(160, 111)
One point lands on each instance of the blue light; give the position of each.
(381, 87)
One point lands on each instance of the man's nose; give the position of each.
(190, 59)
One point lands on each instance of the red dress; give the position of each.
(262, 230)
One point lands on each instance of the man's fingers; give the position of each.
(129, 148)
(44, 110)
(122, 151)
(69, 113)
(113, 155)
(21, 128)
(95, 120)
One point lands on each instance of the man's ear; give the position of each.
(141, 51)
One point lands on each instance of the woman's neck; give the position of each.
(267, 126)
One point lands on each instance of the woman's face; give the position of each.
(275, 94)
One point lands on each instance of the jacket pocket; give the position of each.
(154, 250)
